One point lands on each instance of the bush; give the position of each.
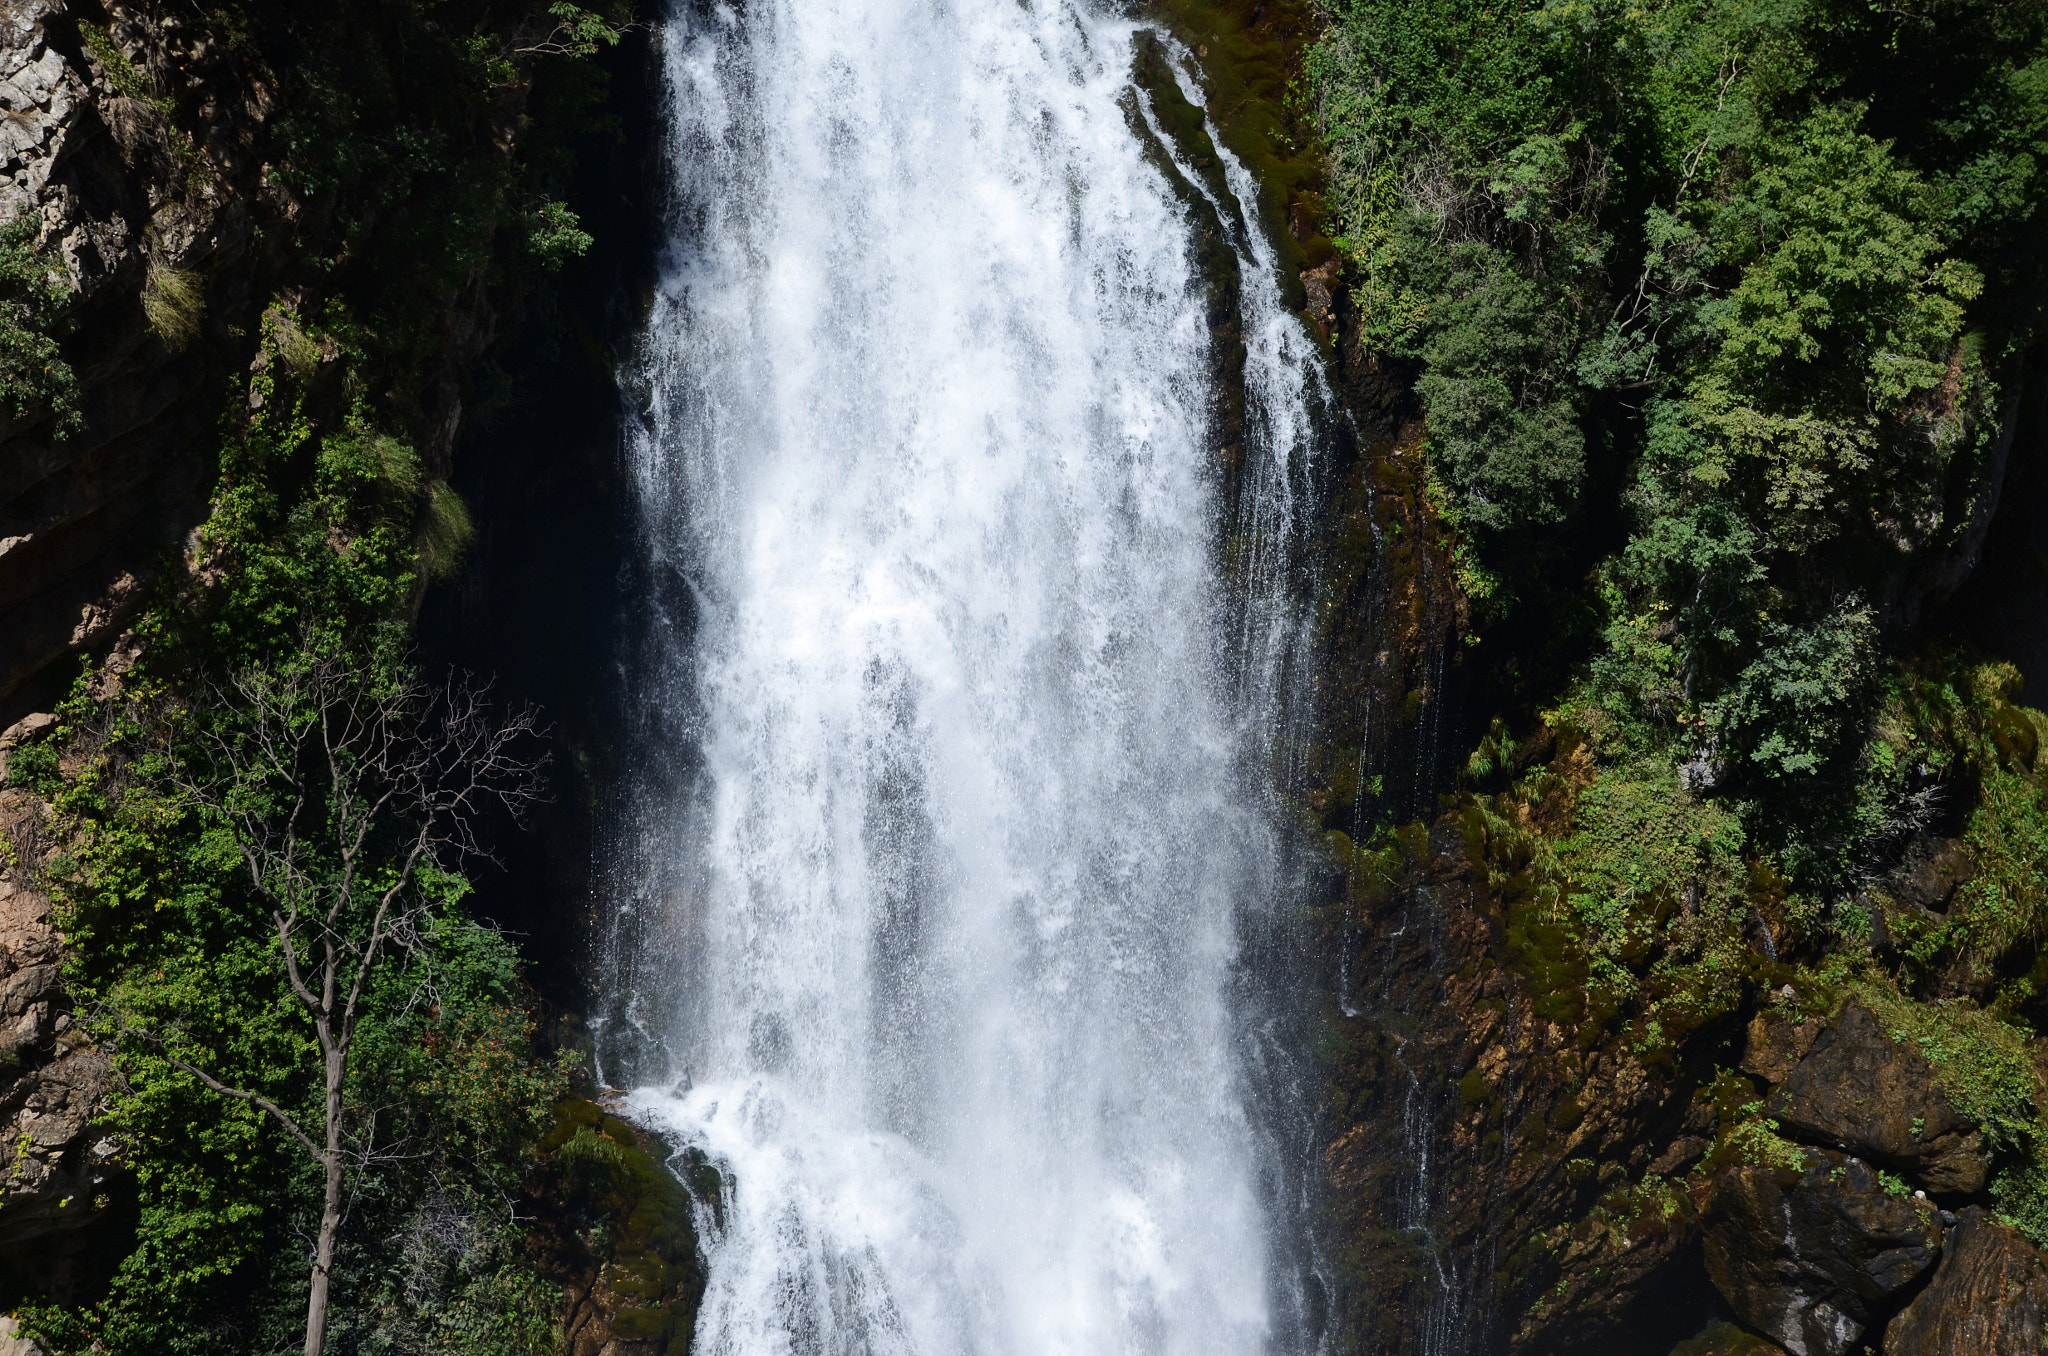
(33, 295)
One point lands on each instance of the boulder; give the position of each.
(1810, 1258)
(1987, 1299)
(1930, 874)
(12, 1342)
(1725, 1339)
(1860, 1091)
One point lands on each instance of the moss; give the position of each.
(1250, 56)
(617, 1185)
(1985, 1065)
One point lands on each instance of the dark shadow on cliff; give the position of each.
(2003, 608)
(543, 595)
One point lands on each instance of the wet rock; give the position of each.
(1858, 1090)
(1987, 1299)
(1810, 1258)
(1679, 1155)
(620, 1227)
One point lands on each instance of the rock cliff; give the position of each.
(56, 1173)
(125, 199)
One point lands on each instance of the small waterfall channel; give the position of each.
(963, 671)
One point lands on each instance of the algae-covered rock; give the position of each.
(627, 1242)
(1810, 1258)
(1988, 1298)
(1860, 1091)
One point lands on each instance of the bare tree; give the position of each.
(342, 791)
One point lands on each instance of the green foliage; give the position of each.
(555, 235)
(579, 32)
(1655, 873)
(176, 961)
(1504, 427)
(1754, 1140)
(1796, 705)
(446, 531)
(1739, 262)
(323, 529)
(2021, 1198)
(119, 71)
(33, 296)
(1984, 1065)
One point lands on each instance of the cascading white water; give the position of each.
(925, 430)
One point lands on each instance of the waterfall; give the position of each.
(954, 789)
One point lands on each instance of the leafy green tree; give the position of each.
(348, 800)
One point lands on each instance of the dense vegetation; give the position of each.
(425, 147)
(1718, 315)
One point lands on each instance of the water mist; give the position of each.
(959, 736)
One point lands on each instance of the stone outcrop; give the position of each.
(121, 194)
(1989, 1297)
(1862, 1092)
(622, 1234)
(12, 1343)
(54, 1168)
(1810, 1258)
(1587, 1198)
(1777, 1041)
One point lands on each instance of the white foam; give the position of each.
(925, 417)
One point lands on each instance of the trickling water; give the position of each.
(935, 925)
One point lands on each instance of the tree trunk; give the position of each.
(330, 1211)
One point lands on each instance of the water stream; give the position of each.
(954, 799)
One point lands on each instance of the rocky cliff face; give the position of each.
(1519, 1191)
(56, 1174)
(124, 200)
(1750, 1161)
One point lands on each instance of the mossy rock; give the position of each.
(618, 1189)
(1725, 1339)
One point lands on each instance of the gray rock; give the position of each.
(1810, 1258)
(12, 1343)
(53, 1085)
